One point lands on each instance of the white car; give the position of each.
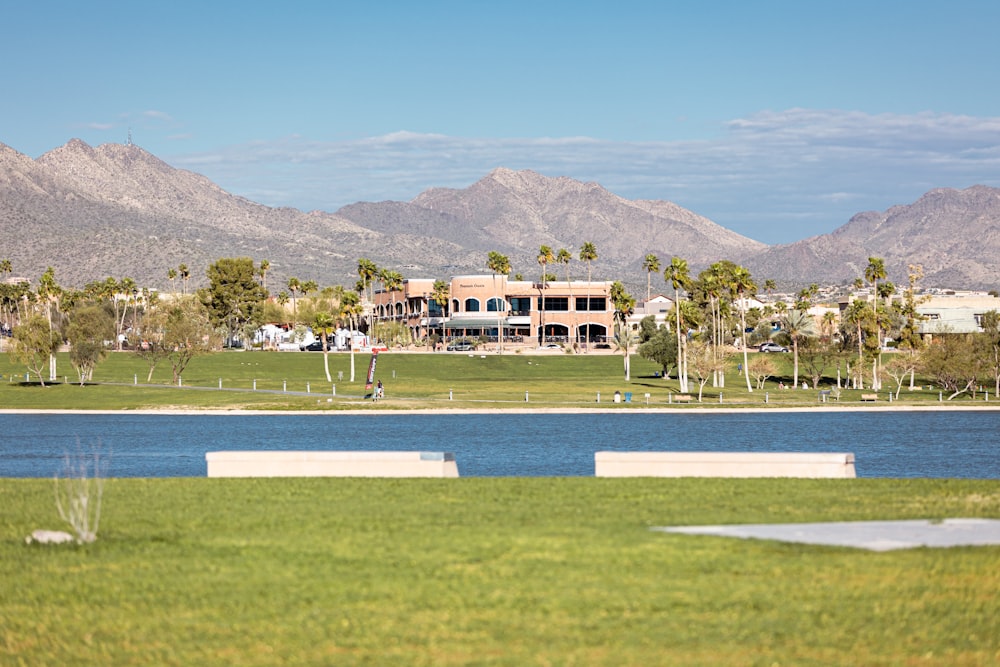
(772, 347)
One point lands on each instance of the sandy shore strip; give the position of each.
(500, 411)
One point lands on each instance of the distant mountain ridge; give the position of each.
(118, 210)
(953, 234)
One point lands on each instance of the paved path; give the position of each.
(872, 535)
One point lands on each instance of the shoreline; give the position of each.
(488, 411)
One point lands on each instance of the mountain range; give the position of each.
(118, 210)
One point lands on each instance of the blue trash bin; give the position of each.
(628, 397)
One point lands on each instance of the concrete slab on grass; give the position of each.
(872, 535)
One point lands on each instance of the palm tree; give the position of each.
(652, 265)
(6, 267)
(545, 257)
(294, 285)
(678, 275)
(367, 270)
(588, 253)
(172, 276)
(624, 304)
(769, 287)
(441, 295)
(743, 285)
(350, 309)
(564, 257)
(49, 292)
(324, 324)
(798, 324)
(392, 282)
(185, 275)
(858, 314)
(265, 266)
(498, 263)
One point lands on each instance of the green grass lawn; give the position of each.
(412, 380)
(492, 572)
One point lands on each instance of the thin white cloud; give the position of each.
(774, 176)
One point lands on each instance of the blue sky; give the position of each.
(778, 120)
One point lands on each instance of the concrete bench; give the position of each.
(723, 464)
(869, 397)
(276, 463)
(681, 398)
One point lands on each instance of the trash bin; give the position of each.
(618, 397)
(628, 397)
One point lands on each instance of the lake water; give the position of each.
(885, 444)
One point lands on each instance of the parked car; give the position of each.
(315, 346)
(771, 346)
(461, 347)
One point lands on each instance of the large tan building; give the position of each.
(481, 305)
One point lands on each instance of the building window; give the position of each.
(933, 316)
(495, 305)
(597, 304)
(520, 305)
(554, 303)
(472, 305)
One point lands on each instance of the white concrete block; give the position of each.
(275, 463)
(723, 464)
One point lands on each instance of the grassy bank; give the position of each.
(491, 572)
(295, 380)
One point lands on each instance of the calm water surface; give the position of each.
(916, 444)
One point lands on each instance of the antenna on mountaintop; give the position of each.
(129, 137)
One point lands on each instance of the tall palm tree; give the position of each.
(172, 276)
(49, 293)
(679, 276)
(744, 286)
(545, 257)
(798, 324)
(874, 272)
(294, 286)
(265, 266)
(564, 257)
(185, 276)
(441, 295)
(624, 304)
(498, 263)
(858, 314)
(324, 324)
(652, 265)
(351, 309)
(6, 267)
(588, 253)
(392, 282)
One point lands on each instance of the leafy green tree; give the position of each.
(234, 299)
(33, 343)
(990, 338)
(951, 361)
(658, 346)
(90, 326)
(188, 333)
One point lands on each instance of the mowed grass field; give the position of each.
(296, 381)
(491, 572)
